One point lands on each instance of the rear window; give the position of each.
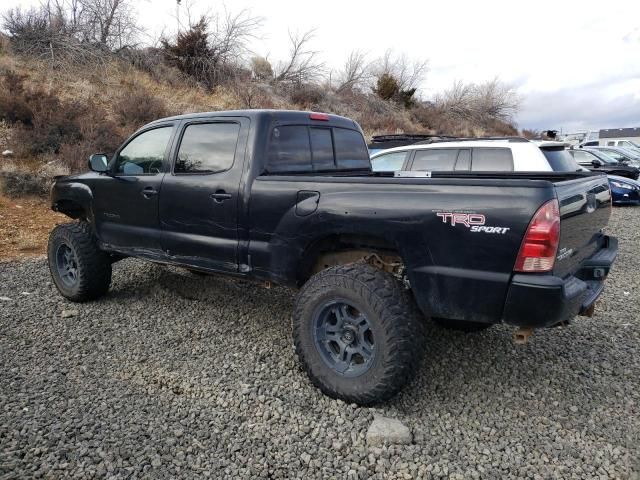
(298, 148)
(322, 149)
(289, 149)
(492, 160)
(351, 151)
(560, 160)
(435, 160)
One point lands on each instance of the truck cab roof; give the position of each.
(284, 116)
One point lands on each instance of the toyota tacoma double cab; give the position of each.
(289, 197)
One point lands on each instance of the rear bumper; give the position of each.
(546, 300)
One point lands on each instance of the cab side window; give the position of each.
(441, 159)
(492, 160)
(207, 148)
(144, 155)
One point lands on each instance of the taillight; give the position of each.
(319, 116)
(540, 244)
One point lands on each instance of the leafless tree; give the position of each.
(229, 35)
(211, 50)
(408, 73)
(355, 71)
(110, 23)
(303, 64)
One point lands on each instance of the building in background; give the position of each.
(620, 137)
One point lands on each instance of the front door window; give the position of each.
(144, 155)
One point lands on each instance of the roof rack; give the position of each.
(399, 137)
(470, 139)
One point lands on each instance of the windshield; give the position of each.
(560, 160)
(629, 152)
(605, 157)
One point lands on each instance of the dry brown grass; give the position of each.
(105, 83)
(25, 224)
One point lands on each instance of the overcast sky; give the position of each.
(576, 64)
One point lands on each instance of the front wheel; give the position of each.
(80, 270)
(357, 333)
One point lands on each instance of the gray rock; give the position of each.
(166, 352)
(68, 313)
(384, 430)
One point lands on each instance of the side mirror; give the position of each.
(596, 163)
(98, 162)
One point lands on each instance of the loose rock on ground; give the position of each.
(172, 375)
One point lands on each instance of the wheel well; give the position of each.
(70, 208)
(343, 249)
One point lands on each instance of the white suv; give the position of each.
(512, 154)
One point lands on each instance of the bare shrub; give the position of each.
(4, 44)
(69, 129)
(254, 95)
(531, 133)
(152, 61)
(54, 123)
(49, 33)
(136, 107)
(77, 31)
(261, 68)
(20, 183)
(307, 95)
(495, 100)
(13, 105)
(481, 103)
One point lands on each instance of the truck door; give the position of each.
(200, 196)
(126, 200)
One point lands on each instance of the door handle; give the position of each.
(149, 192)
(220, 196)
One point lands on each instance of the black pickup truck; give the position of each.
(290, 198)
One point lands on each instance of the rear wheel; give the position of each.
(461, 325)
(357, 333)
(80, 270)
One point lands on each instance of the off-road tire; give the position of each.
(396, 327)
(93, 265)
(461, 325)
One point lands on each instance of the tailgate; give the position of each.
(585, 207)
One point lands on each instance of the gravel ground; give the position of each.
(173, 375)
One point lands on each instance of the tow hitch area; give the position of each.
(521, 335)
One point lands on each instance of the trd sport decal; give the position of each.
(473, 221)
